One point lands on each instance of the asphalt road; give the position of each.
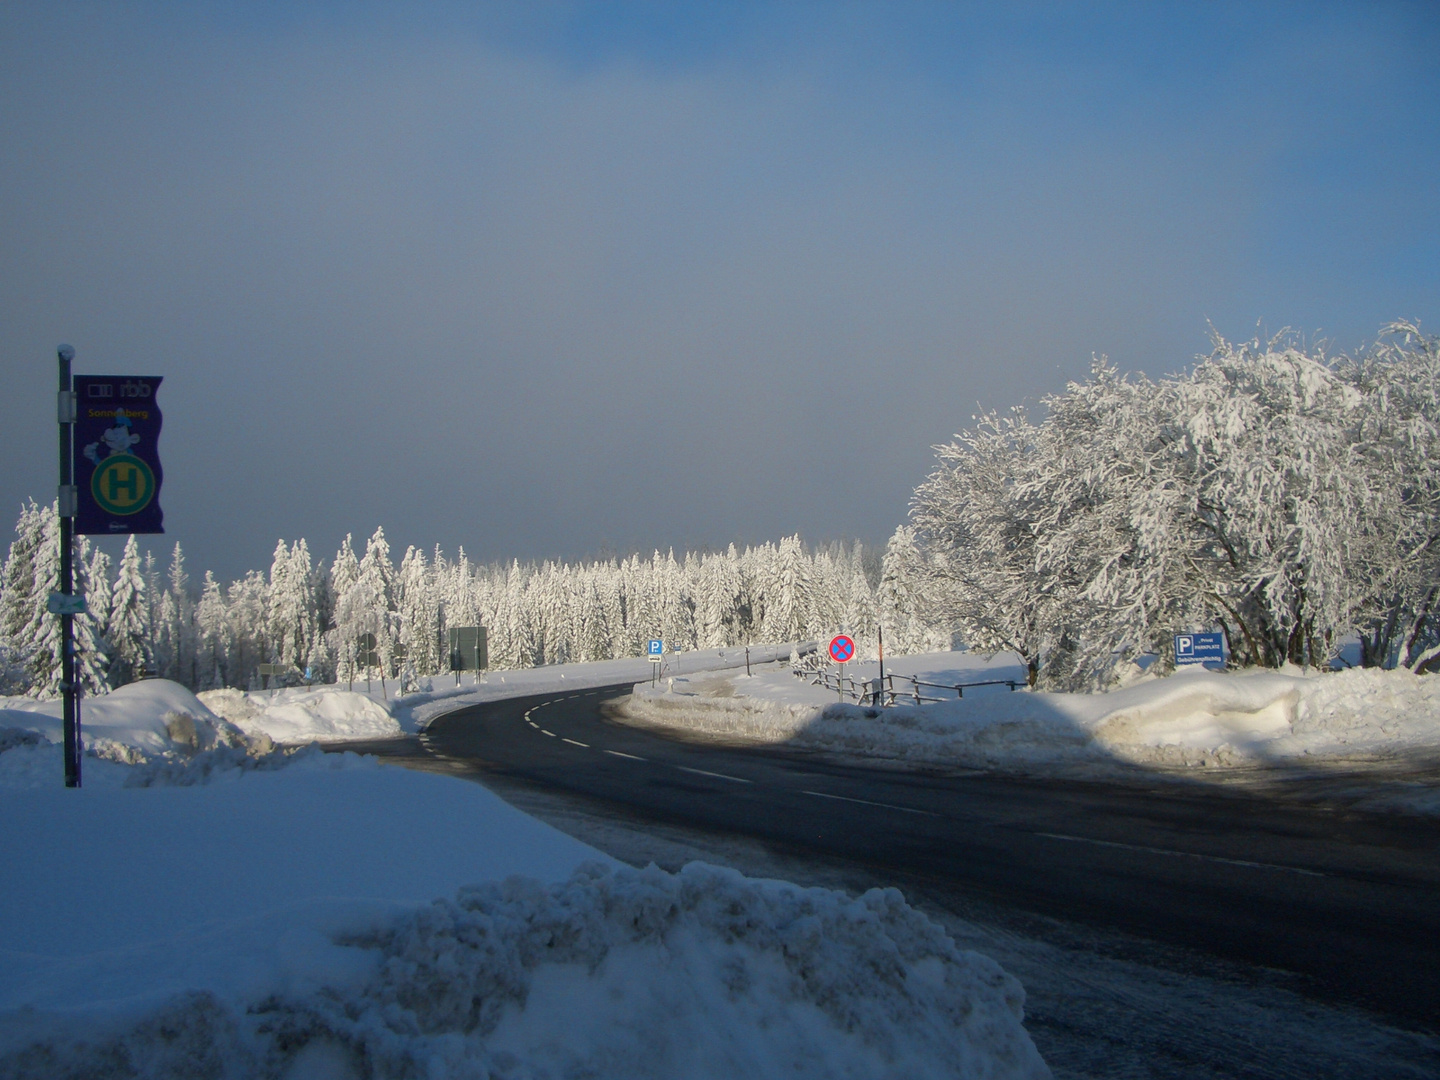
(1349, 903)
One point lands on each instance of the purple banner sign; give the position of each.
(117, 457)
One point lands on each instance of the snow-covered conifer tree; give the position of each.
(41, 630)
(128, 626)
(419, 610)
(92, 652)
(17, 586)
(212, 637)
(249, 647)
(290, 605)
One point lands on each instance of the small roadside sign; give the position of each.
(656, 649)
(1199, 649)
(842, 648)
(365, 654)
(469, 648)
(58, 603)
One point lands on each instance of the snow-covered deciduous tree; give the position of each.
(1284, 496)
(976, 516)
(1399, 435)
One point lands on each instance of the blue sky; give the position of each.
(551, 279)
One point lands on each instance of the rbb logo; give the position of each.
(101, 390)
(123, 485)
(131, 389)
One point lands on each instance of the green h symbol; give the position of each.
(129, 483)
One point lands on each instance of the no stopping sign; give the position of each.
(842, 648)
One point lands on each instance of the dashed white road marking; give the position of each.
(1182, 854)
(550, 733)
(867, 802)
(717, 775)
(632, 757)
(572, 742)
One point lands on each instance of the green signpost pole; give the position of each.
(65, 413)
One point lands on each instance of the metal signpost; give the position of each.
(880, 639)
(469, 650)
(272, 671)
(1199, 649)
(366, 657)
(110, 480)
(842, 648)
(655, 647)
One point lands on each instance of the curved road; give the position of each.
(1351, 903)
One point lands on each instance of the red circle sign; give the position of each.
(842, 648)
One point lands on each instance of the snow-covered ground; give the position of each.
(1192, 721)
(370, 711)
(218, 910)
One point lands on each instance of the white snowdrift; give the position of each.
(338, 714)
(414, 711)
(1193, 718)
(158, 717)
(143, 719)
(327, 714)
(274, 922)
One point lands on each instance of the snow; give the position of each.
(137, 721)
(325, 714)
(335, 714)
(217, 912)
(1192, 719)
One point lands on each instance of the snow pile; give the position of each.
(40, 764)
(440, 696)
(327, 714)
(334, 714)
(134, 723)
(251, 921)
(1193, 718)
(704, 973)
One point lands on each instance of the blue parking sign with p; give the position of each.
(656, 647)
(1199, 649)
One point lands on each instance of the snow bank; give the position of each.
(135, 722)
(414, 711)
(335, 714)
(158, 717)
(327, 714)
(1191, 719)
(219, 918)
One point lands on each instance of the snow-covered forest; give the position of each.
(1286, 497)
(146, 616)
